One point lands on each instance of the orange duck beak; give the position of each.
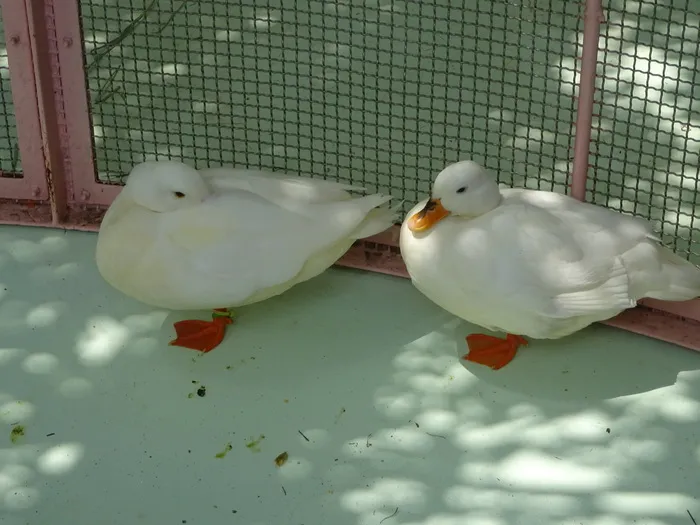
(432, 213)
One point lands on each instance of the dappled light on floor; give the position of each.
(376, 415)
(356, 379)
(101, 341)
(494, 456)
(60, 459)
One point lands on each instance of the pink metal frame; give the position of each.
(60, 189)
(33, 185)
(50, 94)
(75, 114)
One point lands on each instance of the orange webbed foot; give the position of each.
(203, 336)
(491, 351)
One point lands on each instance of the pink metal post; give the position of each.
(56, 174)
(74, 110)
(586, 91)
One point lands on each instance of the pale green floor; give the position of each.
(601, 429)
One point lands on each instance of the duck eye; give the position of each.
(462, 189)
(179, 194)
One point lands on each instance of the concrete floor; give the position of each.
(356, 376)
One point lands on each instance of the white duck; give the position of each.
(532, 263)
(181, 239)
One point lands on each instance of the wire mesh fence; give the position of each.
(384, 93)
(377, 92)
(10, 165)
(646, 149)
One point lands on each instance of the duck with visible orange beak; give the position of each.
(427, 224)
(532, 263)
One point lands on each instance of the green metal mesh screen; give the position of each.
(377, 92)
(9, 146)
(646, 149)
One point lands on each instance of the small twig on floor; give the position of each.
(691, 517)
(283, 490)
(436, 435)
(302, 435)
(390, 516)
(367, 443)
(50, 434)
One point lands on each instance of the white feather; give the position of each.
(537, 263)
(236, 237)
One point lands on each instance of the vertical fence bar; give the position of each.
(46, 69)
(593, 16)
(75, 108)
